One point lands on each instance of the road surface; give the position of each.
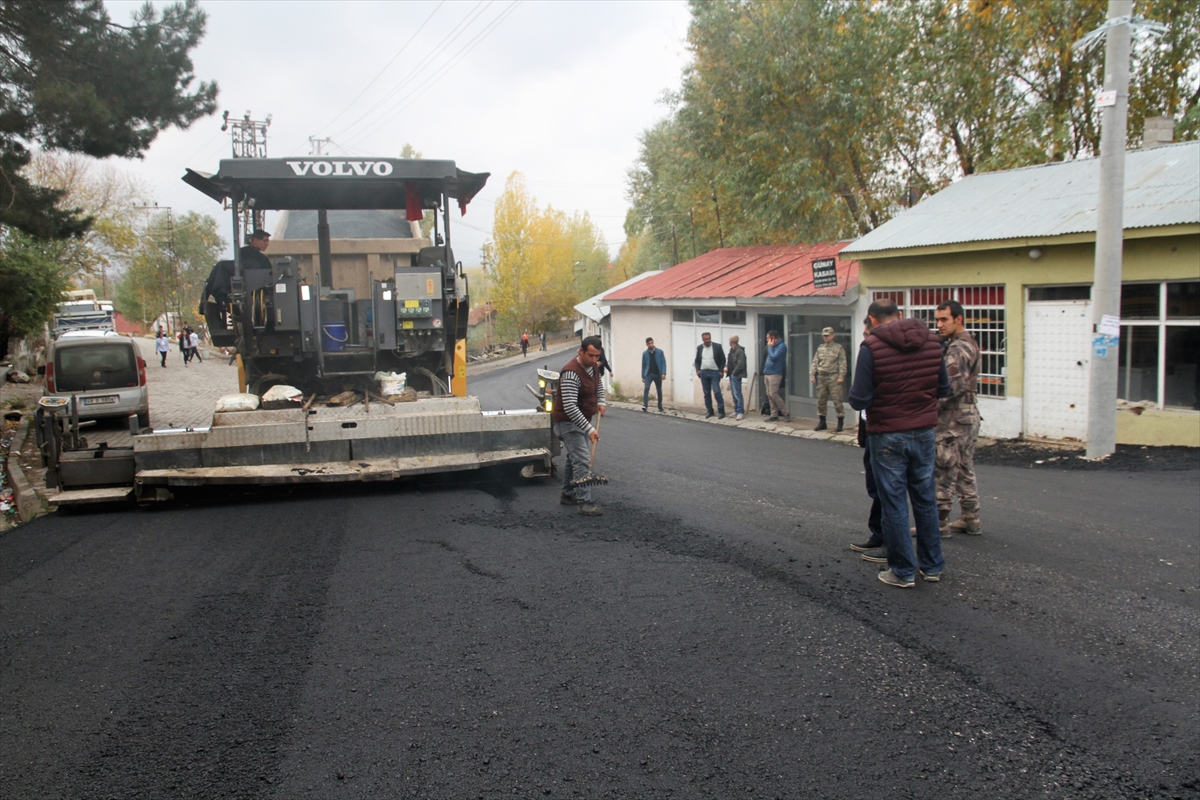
(710, 636)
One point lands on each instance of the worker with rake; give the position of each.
(578, 401)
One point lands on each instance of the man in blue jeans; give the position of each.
(899, 377)
(654, 367)
(710, 363)
(735, 368)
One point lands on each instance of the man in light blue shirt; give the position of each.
(773, 376)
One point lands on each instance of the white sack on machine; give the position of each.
(281, 396)
(237, 402)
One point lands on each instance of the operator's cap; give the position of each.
(827, 331)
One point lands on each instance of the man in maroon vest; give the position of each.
(898, 379)
(580, 397)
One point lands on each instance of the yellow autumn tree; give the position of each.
(540, 263)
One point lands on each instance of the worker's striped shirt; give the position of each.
(568, 390)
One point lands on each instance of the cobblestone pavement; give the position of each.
(180, 396)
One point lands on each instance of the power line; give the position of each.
(441, 72)
(455, 32)
(386, 66)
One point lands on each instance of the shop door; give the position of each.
(766, 322)
(1057, 363)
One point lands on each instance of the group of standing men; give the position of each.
(919, 425)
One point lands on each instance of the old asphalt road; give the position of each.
(709, 636)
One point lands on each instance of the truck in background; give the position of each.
(81, 311)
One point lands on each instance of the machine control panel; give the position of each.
(411, 309)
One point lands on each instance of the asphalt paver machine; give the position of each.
(292, 323)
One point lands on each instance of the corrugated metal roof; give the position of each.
(1162, 187)
(745, 272)
(596, 309)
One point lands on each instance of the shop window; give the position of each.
(1139, 301)
(1160, 343)
(733, 317)
(706, 316)
(983, 308)
(681, 315)
(1138, 363)
(1183, 300)
(1039, 294)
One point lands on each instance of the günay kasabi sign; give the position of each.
(323, 169)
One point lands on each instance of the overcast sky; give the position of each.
(559, 91)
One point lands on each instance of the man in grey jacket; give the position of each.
(735, 368)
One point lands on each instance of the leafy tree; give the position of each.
(169, 266)
(110, 198)
(541, 263)
(32, 280)
(819, 120)
(71, 79)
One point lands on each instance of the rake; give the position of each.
(591, 479)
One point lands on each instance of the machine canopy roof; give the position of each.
(315, 182)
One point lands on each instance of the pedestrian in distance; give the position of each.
(773, 369)
(162, 346)
(525, 344)
(735, 368)
(579, 400)
(194, 344)
(709, 364)
(828, 372)
(184, 348)
(604, 365)
(542, 339)
(654, 366)
(958, 423)
(898, 380)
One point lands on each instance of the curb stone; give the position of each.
(753, 425)
(29, 505)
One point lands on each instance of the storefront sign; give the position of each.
(824, 273)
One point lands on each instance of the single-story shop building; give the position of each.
(1017, 249)
(795, 289)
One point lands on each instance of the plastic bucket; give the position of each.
(333, 336)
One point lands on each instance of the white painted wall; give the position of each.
(630, 325)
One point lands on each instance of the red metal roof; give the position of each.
(769, 271)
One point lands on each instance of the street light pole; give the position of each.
(1110, 234)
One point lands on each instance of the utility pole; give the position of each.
(717, 206)
(692, 220)
(317, 146)
(249, 141)
(1110, 224)
(674, 244)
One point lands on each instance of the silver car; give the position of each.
(103, 370)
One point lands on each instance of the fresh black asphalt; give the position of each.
(710, 636)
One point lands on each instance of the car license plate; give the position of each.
(100, 401)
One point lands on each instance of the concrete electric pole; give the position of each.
(1110, 223)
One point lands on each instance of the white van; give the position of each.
(104, 370)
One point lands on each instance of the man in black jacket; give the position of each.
(710, 362)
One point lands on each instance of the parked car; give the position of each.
(102, 369)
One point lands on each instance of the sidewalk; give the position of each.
(802, 428)
(535, 356)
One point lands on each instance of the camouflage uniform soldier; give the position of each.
(828, 372)
(958, 424)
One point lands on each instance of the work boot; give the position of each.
(841, 424)
(968, 524)
(943, 525)
(821, 426)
